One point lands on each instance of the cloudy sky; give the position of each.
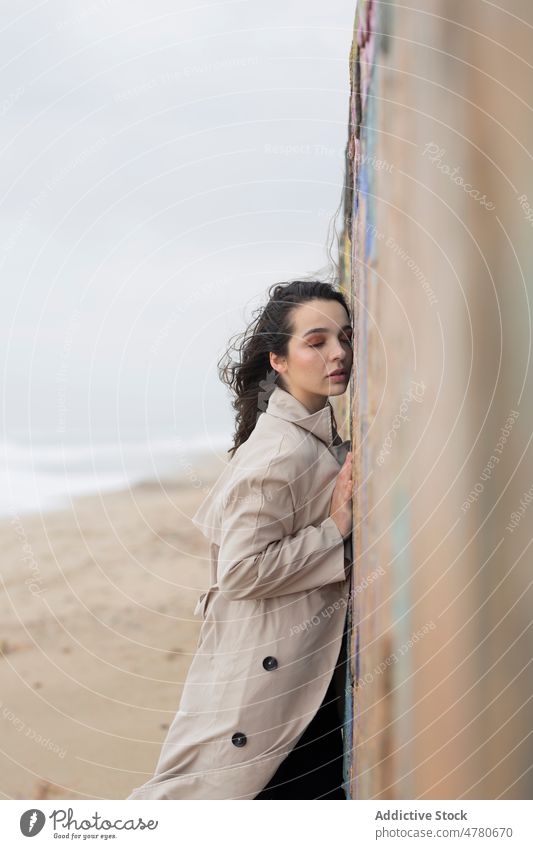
(162, 164)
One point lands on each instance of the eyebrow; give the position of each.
(325, 329)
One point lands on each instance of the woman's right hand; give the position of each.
(341, 500)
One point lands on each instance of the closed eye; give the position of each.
(346, 340)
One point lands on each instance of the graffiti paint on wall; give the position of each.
(357, 253)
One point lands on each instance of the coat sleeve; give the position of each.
(260, 555)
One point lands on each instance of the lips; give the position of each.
(339, 373)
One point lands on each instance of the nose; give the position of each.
(338, 352)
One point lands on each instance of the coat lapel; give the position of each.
(283, 405)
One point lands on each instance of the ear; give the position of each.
(277, 362)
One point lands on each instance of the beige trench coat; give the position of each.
(273, 616)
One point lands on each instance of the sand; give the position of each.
(97, 632)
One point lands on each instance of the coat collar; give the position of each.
(283, 405)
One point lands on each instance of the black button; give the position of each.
(239, 739)
(270, 663)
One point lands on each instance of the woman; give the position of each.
(261, 709)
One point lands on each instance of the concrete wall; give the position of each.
(438, 269)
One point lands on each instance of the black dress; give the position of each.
(313, 768)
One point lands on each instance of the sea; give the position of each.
(46, 472)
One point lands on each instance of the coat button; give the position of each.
(270, 663)
(239, 739)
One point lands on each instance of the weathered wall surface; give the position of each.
(438, 212)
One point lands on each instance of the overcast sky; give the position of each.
(162, 164)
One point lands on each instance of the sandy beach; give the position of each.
(97, 633)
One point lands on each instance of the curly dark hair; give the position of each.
(251, 377)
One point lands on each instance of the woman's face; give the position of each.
(320, 345)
